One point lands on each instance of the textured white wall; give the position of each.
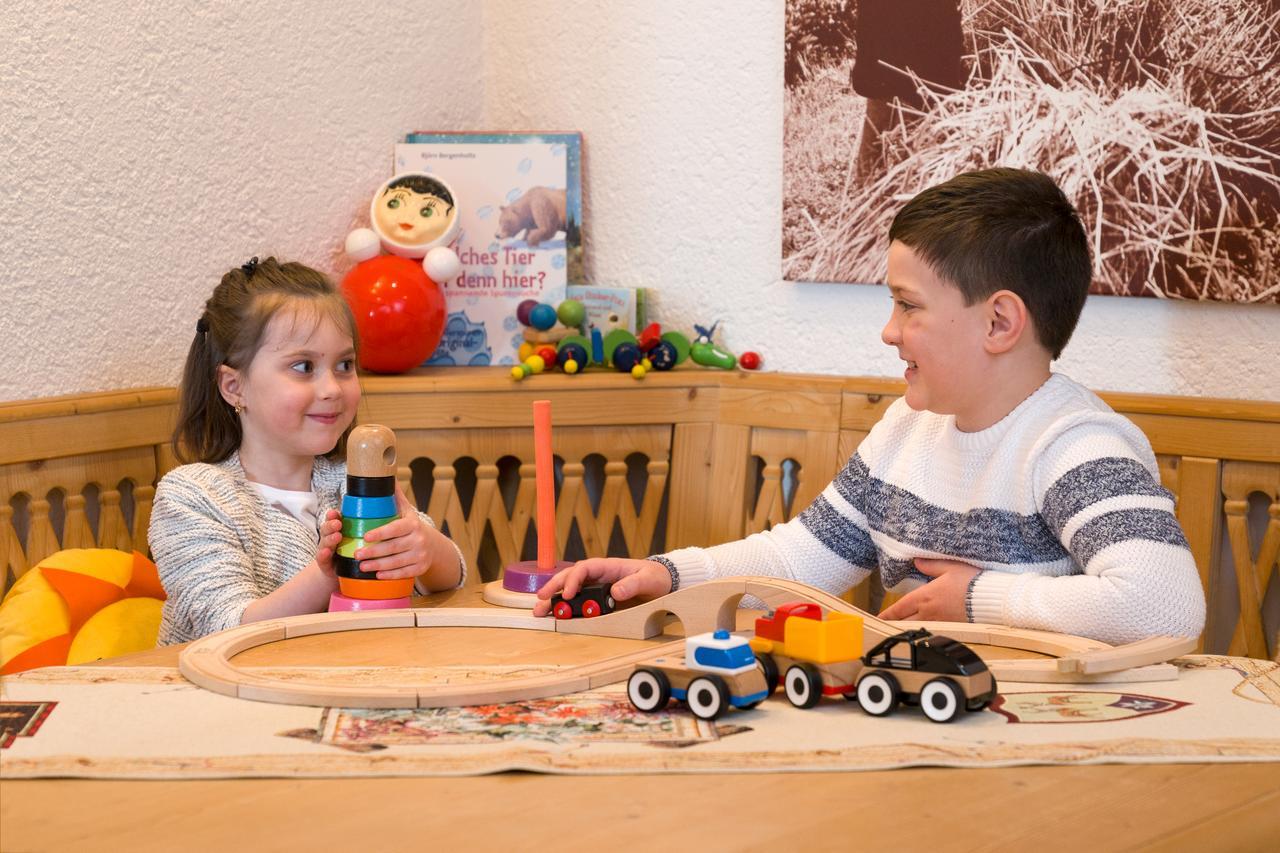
(681, 107)
(148, 148)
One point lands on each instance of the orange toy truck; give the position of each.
(813, 656)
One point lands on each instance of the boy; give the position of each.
(995, 490)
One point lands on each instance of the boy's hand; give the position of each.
(629, 578)
(330, 537)
(941, 599)
(403, 548)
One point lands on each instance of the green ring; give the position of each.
(356, 528)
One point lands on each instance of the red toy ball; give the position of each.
(399, 312)
(750, 360)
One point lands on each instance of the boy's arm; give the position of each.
(1097, 491)
(827, 546)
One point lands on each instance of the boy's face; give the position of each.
(939, 337)
(411, 218)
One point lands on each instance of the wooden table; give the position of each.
(1106, 807)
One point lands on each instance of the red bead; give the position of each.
(548, 354)
(750, 360)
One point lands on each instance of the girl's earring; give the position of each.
(239, 408)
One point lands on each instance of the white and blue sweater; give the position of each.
(1059, 504)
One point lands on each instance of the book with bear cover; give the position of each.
(519, 198)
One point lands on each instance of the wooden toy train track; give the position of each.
(706, 607)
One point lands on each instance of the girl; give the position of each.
(248, 530)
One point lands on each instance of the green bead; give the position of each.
(356, 528)
(348, 547)
(571, 313)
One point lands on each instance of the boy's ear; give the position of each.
(1007, 320)
(229, 384)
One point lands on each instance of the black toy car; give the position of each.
(592, 600)
(943, 676)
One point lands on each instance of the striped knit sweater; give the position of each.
(1059, 504)
(219, 546)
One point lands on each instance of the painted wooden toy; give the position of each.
(810, 656)
(592, 600)
(369, 503)
(718, 672)
(941, 675)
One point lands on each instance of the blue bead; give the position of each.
(542, 317)
(721, 634)
(357, 507)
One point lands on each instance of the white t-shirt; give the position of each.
(303, 506)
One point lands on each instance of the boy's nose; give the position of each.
(889, 334)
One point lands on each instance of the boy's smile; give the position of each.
(938, 336)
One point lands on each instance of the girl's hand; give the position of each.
(941, 599)
(629, 578)
(330, 536)
(404, 548)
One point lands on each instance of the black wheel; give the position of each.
(941, 700)
(648, 689)
(770, 668)
(803, 685)
(878, 693)
(708, 697)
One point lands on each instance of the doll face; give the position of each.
(412, 218)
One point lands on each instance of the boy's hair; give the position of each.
(1004, 229)
(230, 332)
(422, 185)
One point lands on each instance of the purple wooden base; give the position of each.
(524, 576)
(339, 603)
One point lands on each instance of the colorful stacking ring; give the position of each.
(371, 487)
(358, 507)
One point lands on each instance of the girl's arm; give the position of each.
(412, 547)
(308, 591)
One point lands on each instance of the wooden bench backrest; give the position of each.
(693, 457)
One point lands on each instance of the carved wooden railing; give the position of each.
(691, 457)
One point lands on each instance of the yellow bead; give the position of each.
(571, 366)
(638, 371)
(517, 373)
(536, 364)
(526, 350)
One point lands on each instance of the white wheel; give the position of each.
(803, 685)
(648, 690)
(877, 693)
(941, 700)
(609, 604)
(707, 697)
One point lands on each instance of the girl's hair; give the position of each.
(230, 332)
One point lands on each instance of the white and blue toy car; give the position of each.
(719, 671)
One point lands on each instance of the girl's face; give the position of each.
(411, 218)
(300, 392)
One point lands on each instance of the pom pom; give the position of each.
(363, 244)
(442, 264)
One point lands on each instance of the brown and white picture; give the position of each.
(1159, 118)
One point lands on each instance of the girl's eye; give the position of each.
(426, 212)
(346, 366)
(394, 203)
(301, 366)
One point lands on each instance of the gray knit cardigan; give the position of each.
(219, 547)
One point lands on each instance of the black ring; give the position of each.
(349, 568)
(371, 487)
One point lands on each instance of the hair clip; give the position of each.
(250, 266)
(202, 325)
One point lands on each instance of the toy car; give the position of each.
(809, 655)
(940, 674)
(592, 600)
(719, 671)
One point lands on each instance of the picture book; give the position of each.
(519, 198)
(609, 307)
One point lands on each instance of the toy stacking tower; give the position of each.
(521, 580)
(370, 502)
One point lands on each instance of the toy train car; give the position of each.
(718, 672)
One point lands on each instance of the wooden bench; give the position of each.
(691, 457)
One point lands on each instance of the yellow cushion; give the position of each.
(80, 605)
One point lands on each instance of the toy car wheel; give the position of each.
(878, 693)
(563, 610)
(803, 685)
(941, 700)
(708, 697)
(770, 669)
(609, 604)
(590, 609)
(648, 689)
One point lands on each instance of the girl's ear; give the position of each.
(230, 385)
(1007, 320)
